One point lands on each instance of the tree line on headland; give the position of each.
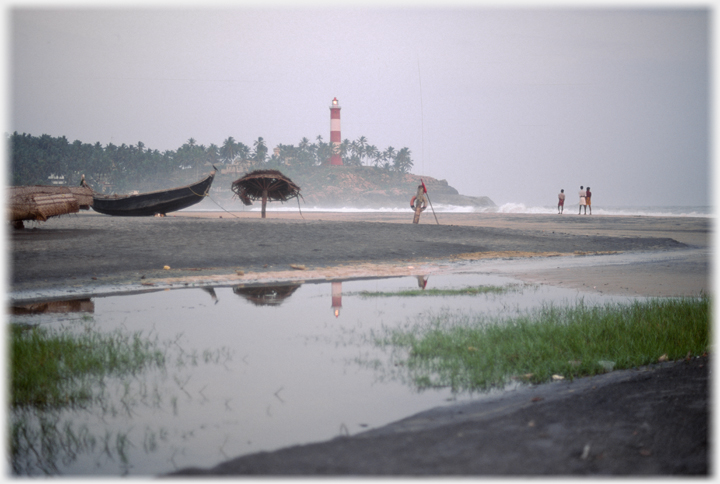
(35, 158)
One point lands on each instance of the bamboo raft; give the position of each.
(40, 202)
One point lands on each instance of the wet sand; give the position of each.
(90, 250)
(651, 421)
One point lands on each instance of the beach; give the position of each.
(92, 251)
(651, 421)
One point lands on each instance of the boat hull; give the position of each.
(152, 203)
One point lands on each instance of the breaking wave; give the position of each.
(520, 208)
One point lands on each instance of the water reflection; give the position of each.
(106, 429)
(70, 306)
(211, 291)
(290, 375)
(266, 295)
(336, 291)
(422, 281)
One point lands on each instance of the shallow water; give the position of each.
(248, 371)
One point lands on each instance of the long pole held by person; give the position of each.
(429, 201)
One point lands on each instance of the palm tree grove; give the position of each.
(118, 169)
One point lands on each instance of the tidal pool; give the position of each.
(249, 369)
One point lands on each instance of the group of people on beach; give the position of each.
(585, 196)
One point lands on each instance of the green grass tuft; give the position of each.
(51, 368)
(469, 353)
(464, 291)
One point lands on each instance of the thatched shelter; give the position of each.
(266, 295)
(39, 202)
(265, 185)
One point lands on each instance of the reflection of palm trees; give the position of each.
(266, 295)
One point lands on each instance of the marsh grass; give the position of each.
(55, 367)
(464, 291)
(76, 390)
(471, 353)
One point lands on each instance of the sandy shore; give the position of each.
(687, 275)
(650, 421)
(688, 230)
(89, 250)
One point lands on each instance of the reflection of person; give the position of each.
(587, 199)
(582, 200)
(422, 281)
(561, 201)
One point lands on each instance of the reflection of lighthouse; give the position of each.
(336, 297)
(335, 140)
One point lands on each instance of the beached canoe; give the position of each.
(152, 203)
(40, 202)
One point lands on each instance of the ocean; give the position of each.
(647, 211)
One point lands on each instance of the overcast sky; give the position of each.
(513, 104)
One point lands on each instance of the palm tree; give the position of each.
(344, 148)
(323, 151)
(362, 147)
(260, 154)
(403, 162)
(306, 153)
(212, 154)
(228, 152)
(373, 154)
(355, 158)
(243, 152)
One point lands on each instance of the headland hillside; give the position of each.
(358, 187)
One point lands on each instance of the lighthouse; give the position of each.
(335, 139)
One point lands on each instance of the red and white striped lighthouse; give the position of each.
(335, 139)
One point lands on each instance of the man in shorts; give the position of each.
(582, 200)
(587, 199)
(561, 201)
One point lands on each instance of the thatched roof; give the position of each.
(39, 202)
(266, 295)
(278, 186)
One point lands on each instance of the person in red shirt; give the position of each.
(587, 199)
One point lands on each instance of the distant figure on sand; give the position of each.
(587, 199)
(561, 201)
(582, 200)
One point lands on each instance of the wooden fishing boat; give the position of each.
(40, 202)
(152, 203)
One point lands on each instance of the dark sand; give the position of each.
(652, 421)
(90, 250)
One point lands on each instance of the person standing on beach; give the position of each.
(587, 200)
(582, 194)
(561, 201)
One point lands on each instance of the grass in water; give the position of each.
(469, 353)
(53, 368)
(464, 291)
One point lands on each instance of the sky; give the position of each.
(509, 103)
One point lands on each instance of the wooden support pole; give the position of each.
(264, 202)
(418, 211)
(419, 201)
